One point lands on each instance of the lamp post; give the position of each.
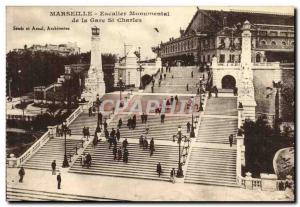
(68, 78)
(192, 133)
(65, 130)
(98, 103)
(200, 94)
(140, 69)
(121, 84)
(179, 138)
(277, 86)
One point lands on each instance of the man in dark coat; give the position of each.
(141, 141)
(188, 127)
(129, 123)
(120, 123)
(187, 87)
(192, 74)
(125, 155)
(162, 118)
(165, 76)
(115, 151)
(112, 133)
(172, 175)
(125, 144)
(133, 121)
(145, 144)
(159, 169)
(151, 147)
(58, 178)
(105, 124)
(230, 140)
(90, 111)
(53, 165)
(21, 174)
(84, 131)
(143, 118)
(118, 135)
(152, 89)
(119, 154)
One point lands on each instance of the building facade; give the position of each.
(218, 33)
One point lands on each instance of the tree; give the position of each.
(261, 143)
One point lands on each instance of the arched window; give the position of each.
(283, 43)
(273, 43)
(263, 42)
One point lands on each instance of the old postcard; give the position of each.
(143, 104)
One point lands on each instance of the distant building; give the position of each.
(62, 49)
(218, 33)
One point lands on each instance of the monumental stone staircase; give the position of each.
(140, 164)
(212, 166)
(157, 130)
(52, 150)
(212, 161)
(84, 120)
(18, 194)
(177, 84)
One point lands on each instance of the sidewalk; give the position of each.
(135, 189)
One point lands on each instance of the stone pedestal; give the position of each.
(268, 182)
(12, 161)
(249, 109)
(248, 181)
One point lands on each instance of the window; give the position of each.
(222, 58)
(231, 58)
(263, 42)
(283, 43)
(208, 58)
(263, 33)
(273, 43)
(273, 33)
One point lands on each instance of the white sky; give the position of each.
(113, 35)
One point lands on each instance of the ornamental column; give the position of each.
(246, 87)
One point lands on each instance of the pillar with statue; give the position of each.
(94, 83)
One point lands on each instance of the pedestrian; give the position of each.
(53, 165)
(188, 127)
(162, 118)
(125, 155)
(187, 87)
(110, 141)
(143, 118)
(141, 141)
(209, 93)
(118, 135)
(230, 140)
(100, 118)
(90, 111)
(120, 123)
(58, 178)
(112, 133)
(125, 143)
(119, 154)
(106, 134)
(129, 123)
(153, 82)
(152, 89)
(160, 77)
(169, 69)
(83, 159)
(152, 149)
(165, 76)
(192, 74)
(88, 132)
(115, 151)
(159, 82)
(172, 175)
(158, 169)
(105, 124)
(134, 121)
(21, 174)
(145, 144)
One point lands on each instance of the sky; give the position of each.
(113, 35)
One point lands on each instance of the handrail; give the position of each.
(21, 160)
(74, 115)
